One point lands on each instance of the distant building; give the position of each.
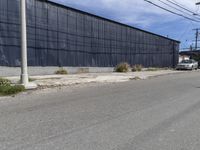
(190, 54)
(183, 57)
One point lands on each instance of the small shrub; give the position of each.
(122, 67)
(61, 71)
(15, 89)
(5, 82)
(10, 90)
(137, 68)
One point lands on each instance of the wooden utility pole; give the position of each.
(196, 38)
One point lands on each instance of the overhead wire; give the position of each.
(175, 13)
(185, 12)
(180, 6)
(180, 10)
(196, 12)
(187, 29)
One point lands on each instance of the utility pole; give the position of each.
(24, 66)
(196, 37)
(24, 70)
(197, 33)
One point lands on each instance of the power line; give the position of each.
(176, 8)
(178, 5)
(187, 29)
(181, 15)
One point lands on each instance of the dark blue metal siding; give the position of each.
(61, 36)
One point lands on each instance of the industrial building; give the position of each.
(62, 36)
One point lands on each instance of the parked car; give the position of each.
(187, 65)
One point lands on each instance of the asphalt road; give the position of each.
(161, 113)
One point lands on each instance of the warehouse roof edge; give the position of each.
(84, 12)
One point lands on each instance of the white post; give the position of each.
(24, 71)
(24, 65)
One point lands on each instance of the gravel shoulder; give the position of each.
(49, 81)
(53, 83)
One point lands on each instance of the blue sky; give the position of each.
(143, 15)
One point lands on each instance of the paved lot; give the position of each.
(156, 114)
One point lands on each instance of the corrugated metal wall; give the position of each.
(60, 36)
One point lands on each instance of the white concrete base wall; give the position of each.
(15, 71)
